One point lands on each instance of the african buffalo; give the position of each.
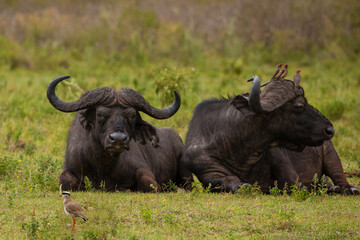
(261, 137)
(114, 148)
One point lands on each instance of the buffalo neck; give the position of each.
(249, 134)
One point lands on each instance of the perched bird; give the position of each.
(277, 71)
(284, 71)
(297, 78)
(72, 208)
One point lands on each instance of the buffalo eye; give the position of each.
(100, 117)
(130, 113)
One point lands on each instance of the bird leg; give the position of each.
(73, 224)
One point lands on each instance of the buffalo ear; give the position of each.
(145, 132)
(241, 103)
(87, 118)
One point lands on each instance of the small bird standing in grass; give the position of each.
(277, 72)
(72, 208)
(284, 71)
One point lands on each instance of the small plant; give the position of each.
(169, 187)
(146, 214)
(169, 79)
(275, 191)
(299, 193)
(88, 184)
(155, 188)
(249, 190)
(73, 88)
(208, 188)
(319, 187)
(197, 187)
(102, 186)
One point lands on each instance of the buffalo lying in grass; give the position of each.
(114, 148)
(262, 137)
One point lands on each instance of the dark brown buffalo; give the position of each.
(114, 148)
(261, 137)
(289, 167)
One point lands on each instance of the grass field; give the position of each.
(153, 51)
(183, 216)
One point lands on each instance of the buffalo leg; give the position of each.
(69, 181)
(282, 168)
(146, 181)
(333, 168)
(209, 172)
(184, 178)
(220, 182)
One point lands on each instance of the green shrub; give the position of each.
(89, 185)
(169, 79)
(319, 186)
(299, 193)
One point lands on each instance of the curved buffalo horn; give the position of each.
(132, 98)
(254, 96)
(262, 85)
(103, 96)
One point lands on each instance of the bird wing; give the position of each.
(76, 210)
(73, 207)
(275, 73)
(297, 78)
(283, 73)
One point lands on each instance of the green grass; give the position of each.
(129, 44)
(180, 216)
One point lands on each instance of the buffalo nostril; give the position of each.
(329, 131)
(117, 137)
(111, 138)
(124, 138)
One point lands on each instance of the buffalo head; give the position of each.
(291, 120)
(111, 117)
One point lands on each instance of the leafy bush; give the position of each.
(299, 193)
(169, 79)
(319, 186)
